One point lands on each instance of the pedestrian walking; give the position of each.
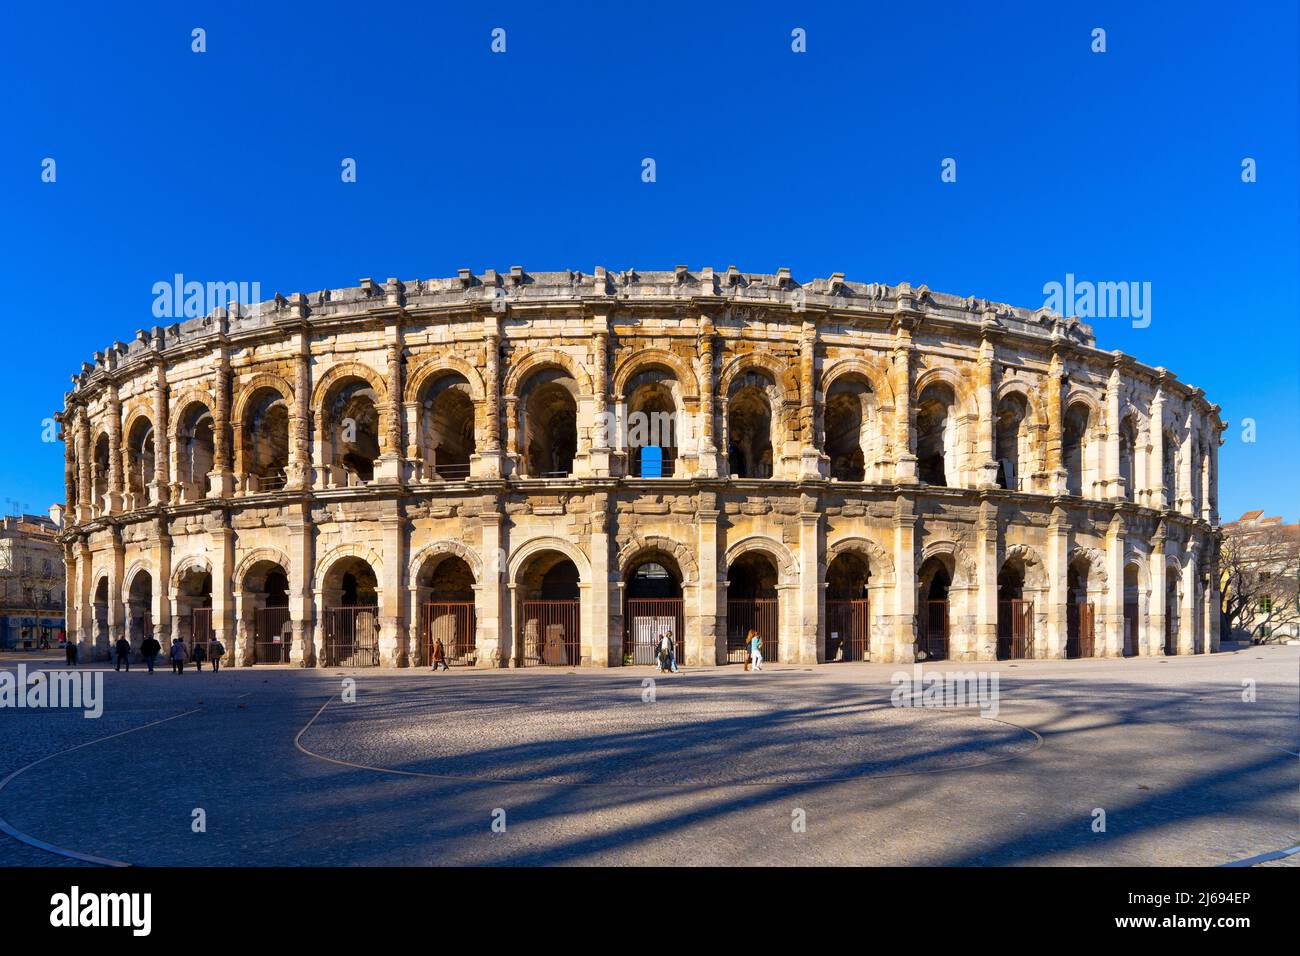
(439, 655)
(200, 654)
(216, 651)
(178, 656)
(755, 650)
(668, 651)
(123, 650)
(70, 652)
(149, 650)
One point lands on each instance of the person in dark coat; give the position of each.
(178, 656)
(123, 649)
(216, 652)
(70, 652)
(200, 654)
(149, 650)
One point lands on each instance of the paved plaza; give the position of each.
(720, 767)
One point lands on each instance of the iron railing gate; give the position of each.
(1080, 629)
(201, 630)
(761, 615)
(932, 636)
(352, 636)
(550, 630)
(1130, 629)
(848, 636)
(645, 622)
(1015, 630)
(1170, 622)
(271, 637)
(452, 623)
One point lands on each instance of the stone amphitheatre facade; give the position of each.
(859, 471)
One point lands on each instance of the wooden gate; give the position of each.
(351, 636)
(759, 614)
(1015, 630)
(550, 631)
(848, 636)
(1080, 624)
(932, 634)
(451, 623)
(271, 635)
(645, 621)
(1130, 629)
(201, 630)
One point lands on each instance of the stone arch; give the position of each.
(784, 375)
(132, 571)
(344, 370)
(542, 359)
(447, 548)
(258, 382)
(430, 368)
(954, 554)
(273, 555)
(337, 554)
(194, 562)
(943, 375)
(520, 555)
(787, 569)
(1138, 560)
(180, 406)
(139, 410)
(638, 547)
(641, 359)
(880, 561)
(874, 372)
(1035, 571)
(1096, 559)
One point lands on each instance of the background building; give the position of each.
(854, 469)
(1260, 579)
(31, 580)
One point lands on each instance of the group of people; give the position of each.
(178, 654)
(666, 652)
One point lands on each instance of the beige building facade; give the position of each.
(558, 468)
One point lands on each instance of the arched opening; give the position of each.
(350, 594)
(1015, 614)
(652, 423)
(264, 609)
(549, 405)
(351, 420)
(549, 611)
(446, 428)
(1080, 611)
(1173, 603)
(1074, 449)
(654, 607)
(139, 609)
(936, 435)
(445, 595)
(1128, 457)
(140, 463)
(100, 468)
(749, 426)
(194, 608)
(195, 451)
(752, 603)
(99, 634)
(935, 580)
(849, 428)
(265, 437)
(1132, 608)
(848, 616)
(1011, 432)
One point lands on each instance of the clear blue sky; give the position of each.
(225, 166)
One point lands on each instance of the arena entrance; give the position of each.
(1171, 614)
(653, 607)
(139, 610)
(1080, 613)
(932, 610)
(445, 592)
(848, 614)
(752, 603)
(194, 607)
(264, 607)
(1015, 615)
(549, 612)
(351, 622)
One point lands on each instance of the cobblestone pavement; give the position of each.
(717, 769)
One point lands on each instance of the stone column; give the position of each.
(70, 450)
(1158, 495)
(986, 396)
(810, 638)
(1212, 495)
(1155, 630)
(986, 568)
(494, 642)
(604, 646)
(1056, 476)
(900, 375)
(708, 450)
(1187, 605)
(813, 463)
(85, 454)
(159, 487)
(1113, 619)
(487, 460)
(304, 623)
(392, 589)
(221, 480)
(389, 465)
(161, 598)
(299, 470)
(1183, 500)
(113, 501)
(707, 646)
(1114, 483)
(116, 610)
(1057, 567)
(222, 557)
(599, 453)
(1213, 598)
(904, 650)
(87, 648)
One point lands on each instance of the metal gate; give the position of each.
(352, 636)
(645, 622)
(1015, 630)
(1080, 629)
(271, 635)
(761, 615)
(452, 624)
(201, 631)
(933, 632)
(550, 630)
(1130, 629)
(1170, 645)
(848, 636)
